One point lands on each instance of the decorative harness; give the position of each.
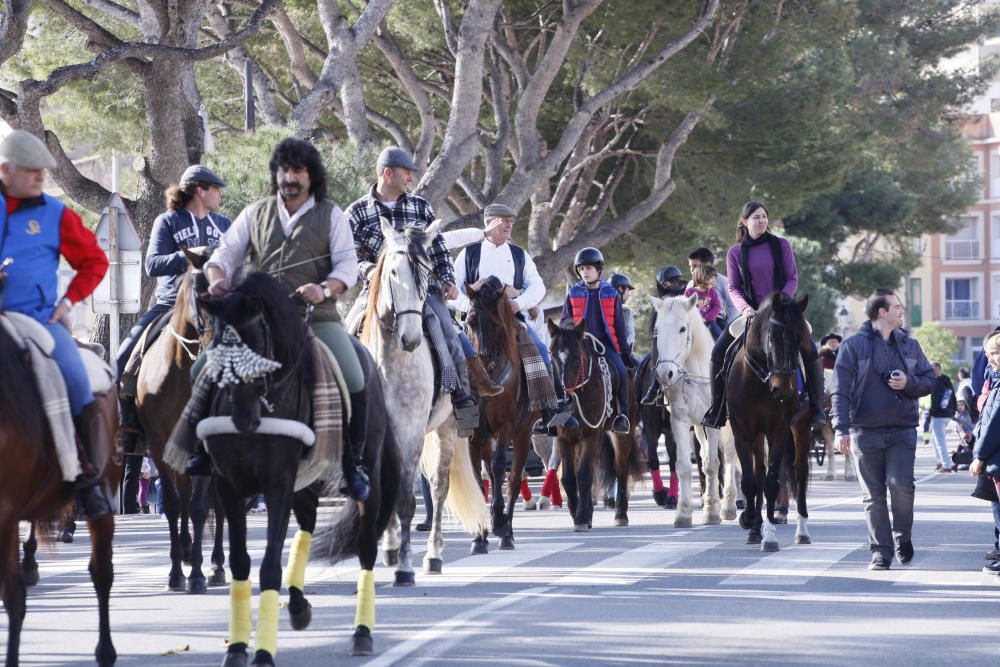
(583, 379)
(686, 378)
(389, 322)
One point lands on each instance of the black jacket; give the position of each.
(943, 384)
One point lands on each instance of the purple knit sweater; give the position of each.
(762, 269)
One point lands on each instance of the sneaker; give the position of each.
(993, 555)
(879, 562)
(904, 552)
(992, 568)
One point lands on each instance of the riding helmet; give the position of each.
(590, 256)
(669, 273)
(619, 280)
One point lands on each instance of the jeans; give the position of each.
(619, 377)
(939, 427)
(714, 329)
(134, 334)
(884, 460)
(67, 356)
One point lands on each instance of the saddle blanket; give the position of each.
(541, 393)
(33, 337)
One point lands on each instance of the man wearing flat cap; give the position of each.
(191, 222)
(515, 269)
(390, 198)
(37, 230)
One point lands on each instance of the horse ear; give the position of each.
(209, 303)
(655, 300)
(581, 327)
(431, 231)
(553, 329)
(196, 259)
(803, 303)
(388, 231)
(691, 300)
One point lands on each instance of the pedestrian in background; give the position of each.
(986, 453)
(942, 410)
(880, 374)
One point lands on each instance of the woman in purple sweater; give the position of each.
(759, 265)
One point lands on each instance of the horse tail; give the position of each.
(465, 495)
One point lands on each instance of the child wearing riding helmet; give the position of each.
(599, 306)
(759, 265)
(709, 304)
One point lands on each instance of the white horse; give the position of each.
(684, 352)
(421, 418)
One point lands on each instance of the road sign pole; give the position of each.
(114, 277)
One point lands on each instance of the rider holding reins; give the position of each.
(758, 265)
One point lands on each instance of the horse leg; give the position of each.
(802, 481)
(777, 443)
(364, 612)
(585, 481)
(497, 471)
(305, 504)
(102, 532)
(396, 548)
(682, 436)
(708, 443)
(186, 491)
(433, 558)
(651, 428)
(172, 510)
(623, 454)
(196, 583)
(569, 482)
(279, 505)
(29, 566)
(240, 591)
(729, 456)
(828, 442)
(515, 483)
(15, 597)
(671, 447)
(218, 577)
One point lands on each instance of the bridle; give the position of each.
(390, 321)
(583, 378)
(763, 371)
(674, 361)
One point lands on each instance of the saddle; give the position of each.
(130, 375)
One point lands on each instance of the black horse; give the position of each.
(655, 423)
(262, 326)
(763, 396)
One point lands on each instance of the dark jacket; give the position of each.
(173, 231)
(943, 386)
(860, 391)
(987, 431)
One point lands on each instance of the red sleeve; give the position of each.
(79, 246)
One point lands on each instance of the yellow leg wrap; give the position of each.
(297, 559)
(267, 623)
(239, 612)
(365, 613)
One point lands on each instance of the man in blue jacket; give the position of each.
(879, 375)
(191, 222)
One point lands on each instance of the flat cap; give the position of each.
(394, 156)
(499, 211)
(199, 173)
(26, 150)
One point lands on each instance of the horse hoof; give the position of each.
(391, 557)
(754, 538)
(769, 546)
(235, 657)
(479, 547)
(405, 579)
(803, 539)
(176, 583)
(30, 576)
(660, 497)
(507, 543)
(262, 659)
(622, 521)
(682, 521)
(712, 519)
(66, 537)
(744, 521)
(197, 586)
(300, 619)
(218, 577)
(361, 642)
(530, 505)
(433, 566)
(780, 519)
(729, 514)
(544, 503)
(580, 528)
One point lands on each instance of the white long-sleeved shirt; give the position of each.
(232, 251)
(498, 261)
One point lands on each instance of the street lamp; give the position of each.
(843, 320)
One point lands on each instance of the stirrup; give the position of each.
(467, 418)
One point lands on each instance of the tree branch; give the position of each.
(13, 26)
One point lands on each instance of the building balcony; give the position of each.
(958, 310)
(961, 250)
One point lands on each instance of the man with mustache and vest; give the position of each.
(497, 256)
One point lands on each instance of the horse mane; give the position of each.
(502, 337)
(701, 337)
(21, 409)
(417, 255)
(289, 333)
(368, 325)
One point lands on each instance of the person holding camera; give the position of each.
(879, 375)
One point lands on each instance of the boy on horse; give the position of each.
(37, 230)
(304, 240)
(390, 198)
(191, 222)
(598, 305)
(497, 256)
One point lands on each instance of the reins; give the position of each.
(583, 379)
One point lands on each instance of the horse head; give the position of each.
(401, 280)
(260, 342)
(567, 355)
(778, 333)
(492, 320)
(677, 325)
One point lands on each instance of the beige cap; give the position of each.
(26, 150)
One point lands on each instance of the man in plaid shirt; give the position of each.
(389, 198)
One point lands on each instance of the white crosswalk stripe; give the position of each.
(635, 565)
(792, 566)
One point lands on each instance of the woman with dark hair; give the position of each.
(759, 265)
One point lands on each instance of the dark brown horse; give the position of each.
(763, 397)
(503, 419)
(32, 489)
(586, 376)
(163, 389)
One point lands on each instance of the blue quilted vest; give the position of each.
(31, 239)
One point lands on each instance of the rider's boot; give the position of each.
(652, 392)
(133, 471)
(716, 415)
(814, 385)
(466, 410)
(481, 380)
(562, 415)
(89, 486)
(356, 482)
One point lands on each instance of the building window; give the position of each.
(963, 245)
(966, 355)
(914, 303)
(961, 299)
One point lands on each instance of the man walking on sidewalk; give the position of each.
(879, 375)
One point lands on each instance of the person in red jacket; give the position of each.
(37, 230)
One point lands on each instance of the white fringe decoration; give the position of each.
(232, 362)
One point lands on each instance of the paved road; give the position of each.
(642, 595)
